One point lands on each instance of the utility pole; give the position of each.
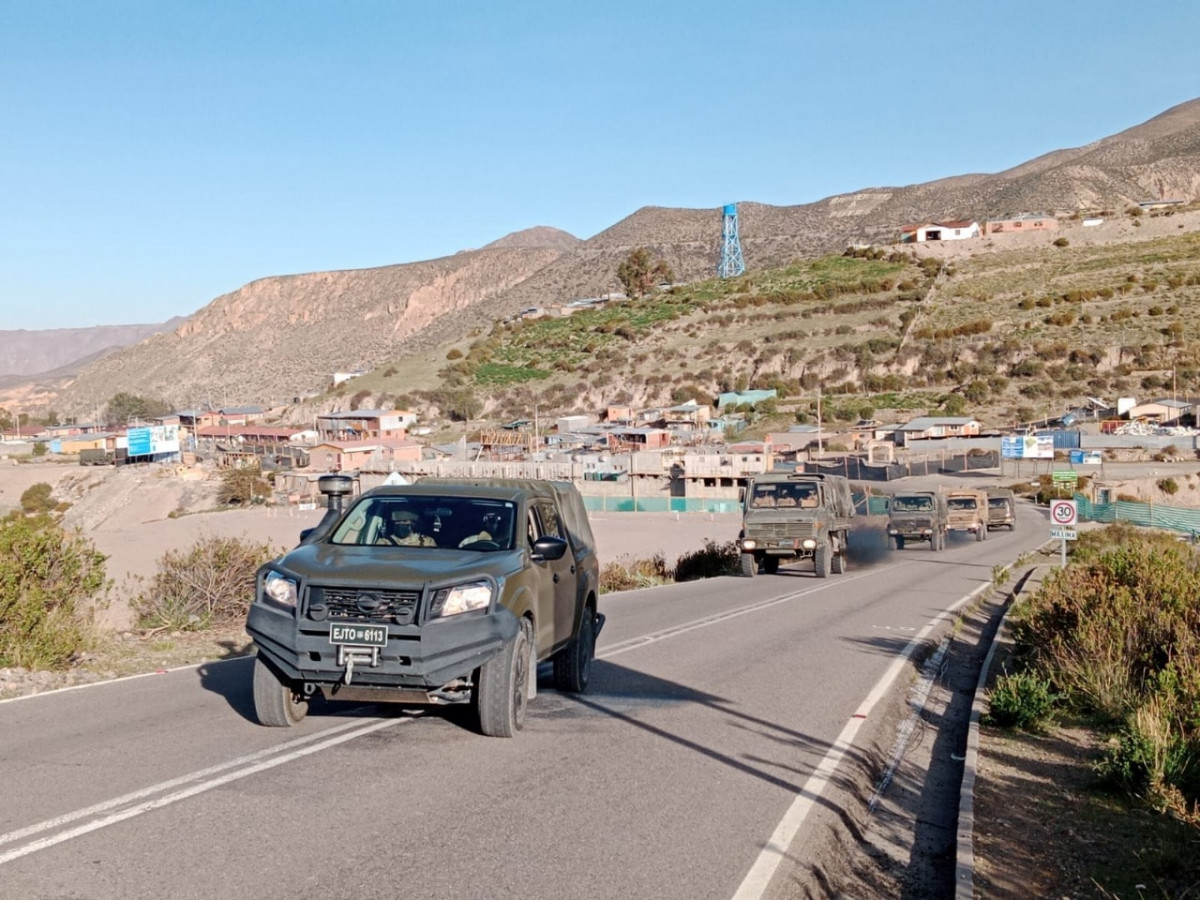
(820, 430)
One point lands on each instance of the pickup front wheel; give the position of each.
(500, 693)
(275, 703)
(573, 663)
(749, 565)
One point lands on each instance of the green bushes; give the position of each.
(46, 574)
(243, 485)
(1023, 700)
(36, 498)
(640, 573)
(210, 583)
(1117, 636)
(711, 561)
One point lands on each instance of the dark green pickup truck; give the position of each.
(446, 591)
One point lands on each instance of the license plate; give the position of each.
(358, 635)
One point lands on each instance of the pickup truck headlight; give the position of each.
(749, 544)
(463, 598)
(280, 589)
(809, 544)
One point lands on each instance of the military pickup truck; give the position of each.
(918, 516)
(1002, 508)
(968, 512)
(792, 515)
(445, 591)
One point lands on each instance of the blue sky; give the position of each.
(154, 155)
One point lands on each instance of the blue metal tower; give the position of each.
(731, 263)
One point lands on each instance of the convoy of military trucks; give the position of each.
(453, 591)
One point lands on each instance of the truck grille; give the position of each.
(912, 524)
(777, 530)
(367, 604)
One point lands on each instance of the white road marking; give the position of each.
(675, 630)
(755, 884)
(243, 767)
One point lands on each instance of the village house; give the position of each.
(346, 456)
(1162, 410)
(926, 427)
(1021, 224)
(363, 424)
(950, 230)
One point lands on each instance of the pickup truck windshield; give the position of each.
(467, 523)
(912, 504)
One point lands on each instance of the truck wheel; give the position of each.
(770, 565)
(980, 534)
(897, 542)
(839, 563)
(573, 663)
(935, 541)
(275, 703)
(500, 689)
(749, 565)
(823, 560)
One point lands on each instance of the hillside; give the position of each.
(281, 337)
(1021, 328)
(61, 352)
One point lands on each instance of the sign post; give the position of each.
(1063, 517)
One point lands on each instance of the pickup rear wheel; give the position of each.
(276, 704)
(839, 562)
(500, 693)
(573, 663)
(749, 565)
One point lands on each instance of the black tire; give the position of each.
(839, 563)
(749, 565)
(573, 663)
(897, 542)
(500, 693)
(936, 541)
(770, 565)
(276, 703)
(823, 560)
(980, 534)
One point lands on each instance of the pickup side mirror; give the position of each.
(741, 495)
(549, 547)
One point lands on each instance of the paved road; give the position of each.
(717, 712)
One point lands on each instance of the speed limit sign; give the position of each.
(1062, 512)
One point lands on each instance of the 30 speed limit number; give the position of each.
(1062, 512)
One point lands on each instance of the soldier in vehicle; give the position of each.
(404, 533)
(489, 530)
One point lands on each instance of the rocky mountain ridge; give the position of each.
(282, 336)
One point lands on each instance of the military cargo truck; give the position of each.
(793, 515)
(1002, 508)
(918, 516)
(968, 512)
(445, 591)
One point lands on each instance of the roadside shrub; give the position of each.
(1119, 625)
(1168, 485)
(1061, 242)
(1023, 700)
(1150, 758)
(36, 498)
(711, 561)
(210, 583)
(240, 486)
(640, 573)
(39, 449)
(46, 574)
